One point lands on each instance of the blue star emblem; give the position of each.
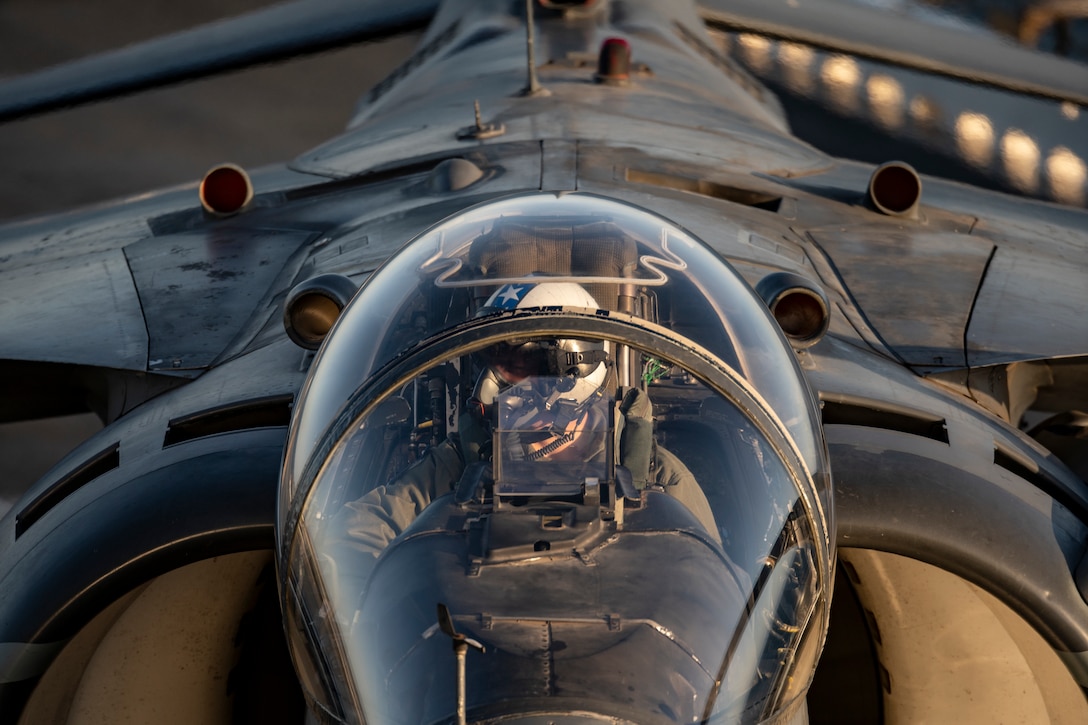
(508, 296)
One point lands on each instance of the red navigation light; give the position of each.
(614, 64)
(225, 189)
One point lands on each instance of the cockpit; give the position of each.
(555, 463)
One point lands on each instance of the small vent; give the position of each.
(263, 413)
(97, 465)
(704, 187)
(913, 424)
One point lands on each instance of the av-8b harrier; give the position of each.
(566, 386)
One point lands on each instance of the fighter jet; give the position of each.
(567, 385)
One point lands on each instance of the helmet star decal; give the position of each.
(509, 296)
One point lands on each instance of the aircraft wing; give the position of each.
(858, 30)
(1001, 275)
(278, 32)
(304, 26)
(138, 291)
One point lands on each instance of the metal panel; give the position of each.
(916, 289)
(846, 27)
(199, 289)
(559, 165)
(1032, 305)
(80, 309)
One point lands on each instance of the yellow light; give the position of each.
(1020, 155)
(841, 76)
(924, 112)
(756, 51)
(1067, 174)
(886, 99)
(975, 138)
(796, 63)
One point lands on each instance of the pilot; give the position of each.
(552, 397)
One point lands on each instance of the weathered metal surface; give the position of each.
(198, 290)
(1032, 303)
(915, 288)
(80, 309)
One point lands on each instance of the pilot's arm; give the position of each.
(381, 515)
(651, 464)
(670, 473)
(374, 520)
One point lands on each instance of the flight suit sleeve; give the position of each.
(653, 464)
(374, 520)
(678, 482)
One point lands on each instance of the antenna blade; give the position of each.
(445, 621)
(274, 33)
(846, 27)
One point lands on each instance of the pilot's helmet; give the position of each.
(551, 386)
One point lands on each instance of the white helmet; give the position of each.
(520, 296)
(581, 366)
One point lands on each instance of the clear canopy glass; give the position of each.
(569, 426)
